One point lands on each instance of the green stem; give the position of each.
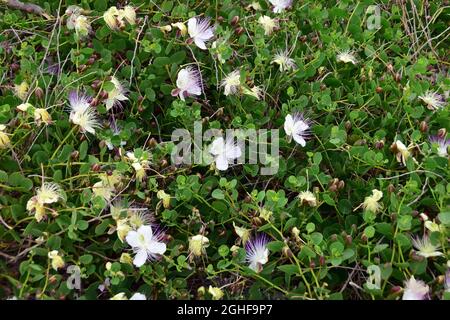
(62, 142)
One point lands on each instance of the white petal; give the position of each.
(192, 26)
(132, 239)
(222, 162)
(217, 146)
(233, 152)
(146, 231)
(157, 247)
(183, 79)
(300, 126)
(227, 90)
(196, 90)
(254, 266)
(121, 97)
(200, 43)
(109, 104)
(206, 35)
(138, 296)
(299, 139)
(288, 125)
(140, 258)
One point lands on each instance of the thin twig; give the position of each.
(135, 48)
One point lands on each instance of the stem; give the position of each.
(62, 142)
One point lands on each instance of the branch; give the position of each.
(27, 7)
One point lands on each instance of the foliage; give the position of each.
(317, 250)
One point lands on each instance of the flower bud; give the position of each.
(396, 289)
(82, 68)
(201, 291)
(152, 143)
(393, 148)
(234, 20)
(91, 61)
(322, 260)
(163, 163)
(364, 238)
(391, 188)
(287, 252)
(332, 188)
(205, 120)
(164, 197)
(15, 67)
(442, 133)
(257, 221)
(95, 84)
(416, 257)
(239, 31)
(348, 125)
(215, 292)
(379, 144)
(75, 154)
(198, 245)
(39, 93)
(348, 239)
(56, 260)
(423, 127)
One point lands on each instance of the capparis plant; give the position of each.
(95, 202)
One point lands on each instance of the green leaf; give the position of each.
(380, 247)
(54, 242)
(316, 238)
(3, 176)
(288, 268)
(100, 5)
(16, 179)
(101, 228)
(404, 222)
(444, 218)
(275, 246)
(310, 227)
(86, 259)
(83, 149)
(218, 194)
(82, 225)
(178, 57)
(369, 232)
(161, 61)
(223, 250)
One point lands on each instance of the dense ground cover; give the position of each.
(93, 206)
